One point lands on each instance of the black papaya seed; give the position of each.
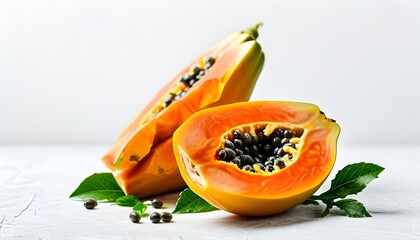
(237, 161)
(247, 138)
(230, 154)
(285, 140)
(166, 217)
(157, 203)
(247, 168)
(229, 144)
(237, 134)
(267, 148)
(246, 150)
(195, 70)
(277, 141)
(155, 217)
(238, 143)
(278, 133)
(261, 136)
(210, 60)
(247, 159)
(134, 217)
(254, 138)
(238, 152)
(221, 155)
(288, 134)
(90, 203)
(254, 149)
(260, 165)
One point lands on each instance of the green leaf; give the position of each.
(99, 186)
(127, 201)
(352, 208)
(352, 179)
(326, 211)
(310, 202)
(189, 202)
(140, 208)
(327, 208)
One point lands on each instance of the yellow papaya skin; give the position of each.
(232, 189)
(239, 61)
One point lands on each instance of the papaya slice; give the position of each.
(150, 177)
(256, 158)
(224, 74)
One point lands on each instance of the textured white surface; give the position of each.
(35, 182)
(79, 70)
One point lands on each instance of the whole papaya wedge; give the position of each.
(142, 158)
(256, 158)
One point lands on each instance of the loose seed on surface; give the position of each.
(157, 203)
(166, 217)
(155, 217)
(134, 217)
(90, 203)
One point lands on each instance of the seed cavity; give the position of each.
(185, 82)
(259, 151)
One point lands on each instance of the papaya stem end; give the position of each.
(253, 31)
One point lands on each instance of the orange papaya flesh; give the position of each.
(155, 174)
(259, 193)
(226, 82)
(231, 78)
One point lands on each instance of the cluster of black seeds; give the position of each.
(258, 152)
(156, 217)
(189, 79)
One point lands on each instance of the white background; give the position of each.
(76, 72)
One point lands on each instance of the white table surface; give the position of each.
(35, 182)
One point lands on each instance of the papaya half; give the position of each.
(142, 158)
(256, 158)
